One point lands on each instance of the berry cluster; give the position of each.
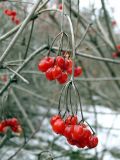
(13, 123)
(58, 68)
(116, 54)
(76, 133)
(12, 14)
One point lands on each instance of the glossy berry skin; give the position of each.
(43, 66)
(82, 143)
(54, 118)
(49, 74)
(87, 133)
(57, 72)
(68, 131)
(93, 141)
(71, 120)
(77, 132)
(63, 79)
(77, 71)
(66, 65)
(60, 61)
(71, 141)
(59, 126)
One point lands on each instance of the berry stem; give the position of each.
(73, 47)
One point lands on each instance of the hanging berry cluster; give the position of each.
(58, 68)
(13, 123)
(78, 133)
(13, 15)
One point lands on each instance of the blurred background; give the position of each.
(34, 103)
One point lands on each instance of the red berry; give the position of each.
(13, 13)
(77, 71)
(69, 70)
(82, 143)
(49, 74)
(17, 21)
(71, 141)
(68, 131)
(77, 132)
(71, 120)
(57, 72)
(8, 12)
(60, 61)
(59, 126)
(43, 66)
(1, 127)
(14, 121)
(93, 141)
(66, 65)
(54, 118)
(63, 79)
(87, 133)
(60, 6)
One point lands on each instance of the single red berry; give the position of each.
(77, 71)
(71, 120)
(77, 132)
(14, 121)
(69, 70)
(71, 141)
(8, 12)
(17, 21)
(49, 74)
(60, 6)
(87, 133)
(63, 79)
(58, 126)
(82, 143)
(13, 13)
(93, 141)
(54, 118)
(60, 61)
(68, 131)
(43, 66)
(66, 65)
(57, 72)
(1, 127)
(50, 60)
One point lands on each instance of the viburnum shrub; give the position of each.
(13, 15)
(13, 123)
(76, 133)
(67, 124)
(58, 68)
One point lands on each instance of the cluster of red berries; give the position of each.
(116, 54)
(76, 133)
(58, 68)
(12, 14)
(13, 123)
